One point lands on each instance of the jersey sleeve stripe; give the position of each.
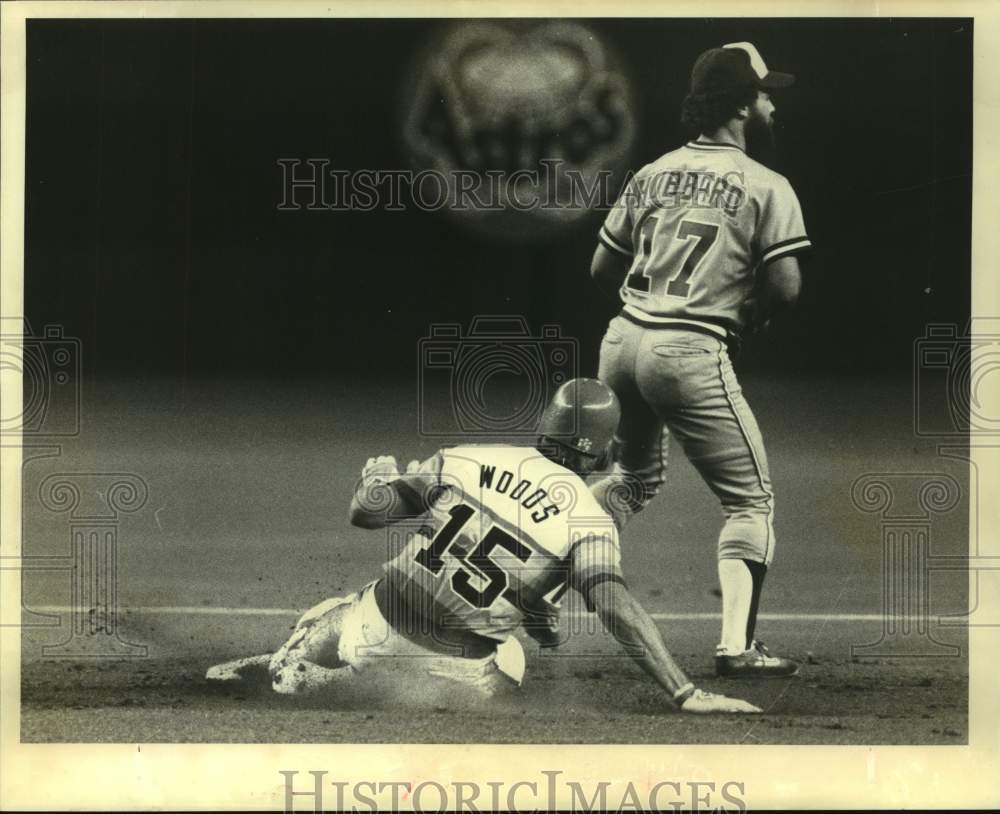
(613, 243)
(786, 247)
(592, 537)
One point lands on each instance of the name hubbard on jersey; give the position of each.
(501, 485)
(691, 188)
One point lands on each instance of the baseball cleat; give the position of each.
(756, 662)
(240, 669)
(301, 677)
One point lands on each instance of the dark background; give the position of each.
(225, 343)
(153, 232)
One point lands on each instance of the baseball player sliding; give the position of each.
(498, 534)
(701, 246)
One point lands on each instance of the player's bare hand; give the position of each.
(383, 468)
(754, 316)
(706, 703)
(545, 631)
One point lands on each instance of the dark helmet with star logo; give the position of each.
(582, 416)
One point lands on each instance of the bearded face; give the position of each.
(759, 131)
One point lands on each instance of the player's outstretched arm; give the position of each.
(383, 495)
(628, 622)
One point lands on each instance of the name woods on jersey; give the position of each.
(497, 534)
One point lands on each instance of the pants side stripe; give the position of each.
(753, 455)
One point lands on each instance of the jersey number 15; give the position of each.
(477, 564)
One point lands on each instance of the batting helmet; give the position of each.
(583, 415)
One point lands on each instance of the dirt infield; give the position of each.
(245, 525)
(566, 698)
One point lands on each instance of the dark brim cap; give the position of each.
(777, 79)
(735, 66)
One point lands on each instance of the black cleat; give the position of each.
(754, 663)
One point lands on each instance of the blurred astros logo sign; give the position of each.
(524, 122)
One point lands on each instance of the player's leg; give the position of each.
(722, 440)
(310, 660)
(370, 643)
(642, 439)
(495, 674)
(747, 500)
(688, 377)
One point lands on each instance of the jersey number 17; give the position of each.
(699, 236)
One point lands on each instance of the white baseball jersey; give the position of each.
(506, 532)
(697, 223)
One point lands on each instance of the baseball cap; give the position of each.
(732, 67)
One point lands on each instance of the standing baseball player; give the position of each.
(701, 246)
(498, 532)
